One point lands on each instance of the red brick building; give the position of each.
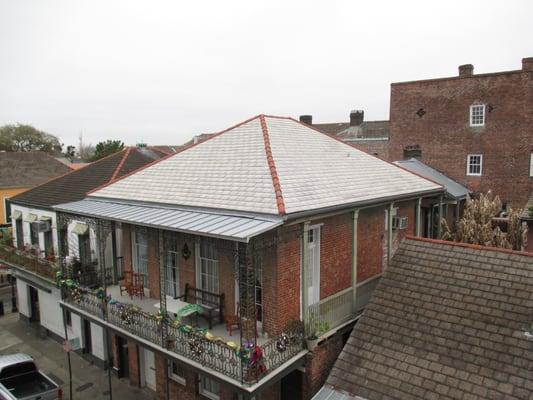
(279, 230)
(476, 129)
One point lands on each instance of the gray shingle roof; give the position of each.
(367, 129)
(27, 169)
(447, 321)
(266, 165)
(453, 189)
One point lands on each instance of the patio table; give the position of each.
(181, 308)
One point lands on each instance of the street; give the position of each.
(89, 381)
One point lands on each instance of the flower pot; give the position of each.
(311, 344)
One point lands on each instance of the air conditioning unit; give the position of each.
(41, 226)
(399, 222)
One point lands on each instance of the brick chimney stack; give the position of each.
(357, 117)
(466, 70)
(306, 119)
(527, 64)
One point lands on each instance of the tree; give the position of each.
(21, 137)
(107, 148)
(478, 226)
(86, 152)
(70, 153)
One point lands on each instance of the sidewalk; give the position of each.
(89, 381)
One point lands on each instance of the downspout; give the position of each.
(354, 260)
(418, 216)
(389, 233)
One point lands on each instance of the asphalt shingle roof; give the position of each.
(76, 184)
(272, 165)
(27, 169)
(447, 321)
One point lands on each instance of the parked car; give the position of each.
(21, 380)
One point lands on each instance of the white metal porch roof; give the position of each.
(205, 223)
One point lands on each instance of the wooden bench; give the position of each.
(212, 303)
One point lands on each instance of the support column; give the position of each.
(354, 260)
(305, 271)
(418, 216)
(389, 233)
(162, 285)
(439, 226)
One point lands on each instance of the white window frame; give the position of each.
(210, 263)
(483, 112)
(468, 164)
(531, 165)
(204, 381)
(177, 378)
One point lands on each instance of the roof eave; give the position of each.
(365, 203)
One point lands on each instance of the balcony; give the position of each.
(214, 349)
(29, 260)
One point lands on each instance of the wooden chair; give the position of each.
(233, 321)
(138, 284)
(126, 284)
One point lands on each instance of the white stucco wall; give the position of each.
(51, 314)
(26, 225)
(23, 299)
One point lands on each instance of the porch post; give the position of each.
(439, 226)
(354, 260)
(162, 285)
(389, 233)
(305, 271)
(418, 215)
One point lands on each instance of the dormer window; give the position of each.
(477, 115)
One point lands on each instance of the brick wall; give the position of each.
(319, 363)
(133, 364)
(445, 137)
(378, 148)
(153, 263)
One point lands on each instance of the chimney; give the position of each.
(527, 64)
(466, 70)
(356, 117)
(306, 119)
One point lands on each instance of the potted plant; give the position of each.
(313, 330)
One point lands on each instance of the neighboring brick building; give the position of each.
(369, 136)
(274, 222)
(476, 129)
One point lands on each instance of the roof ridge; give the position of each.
(272, 167)
(470, 246)
(121, 163)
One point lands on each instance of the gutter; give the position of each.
(365, 203)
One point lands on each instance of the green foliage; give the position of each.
(104, 149)
(70, 152)
(21, 137)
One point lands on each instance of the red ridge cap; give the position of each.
(471, 246)
(272, 166)
(120, 164)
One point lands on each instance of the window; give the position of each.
(208, 266)
(20, 233)
(84, 249)
(171, 264)
(531, 165)
(140, 253)
(7, 210)
(477, 115)
(34, 234)
(68, 318)
(176, 372)
(48, 245)
(474, 164)
(209, 388)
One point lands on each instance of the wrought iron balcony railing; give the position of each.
(29, 260)
(247, 364)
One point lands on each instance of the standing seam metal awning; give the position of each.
(205, 223)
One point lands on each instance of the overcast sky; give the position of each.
(163, 71)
